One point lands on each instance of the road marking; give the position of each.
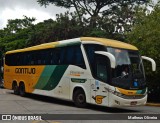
(38, 121)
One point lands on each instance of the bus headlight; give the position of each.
(118, 94)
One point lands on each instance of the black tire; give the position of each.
(79, 98)
(15, 88)
(22, 89)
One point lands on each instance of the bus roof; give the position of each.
(102, 41)
(48, 45)
(109, 42)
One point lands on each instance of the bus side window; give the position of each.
(28, 58)
(23, 58)
(55, 56)
(102, 65)
(79, 60)
(17, 59)
(70, 55)
(90, 52)
(8, 59)
(62, 56)
(38, 58)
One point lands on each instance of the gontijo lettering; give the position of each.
(25, 70)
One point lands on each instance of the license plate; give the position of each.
(133, 103)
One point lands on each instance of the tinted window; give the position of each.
(90, 51)
(102, 68)
(71, 55)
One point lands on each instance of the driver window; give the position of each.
(102, 68)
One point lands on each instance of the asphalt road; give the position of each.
(35, 104)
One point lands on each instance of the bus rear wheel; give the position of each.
(79, 98)
(15, 88)
(22, 89)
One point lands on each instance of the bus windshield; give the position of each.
(129, 71)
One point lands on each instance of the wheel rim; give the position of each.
(22, 89)
(15, 88)
(81, 98)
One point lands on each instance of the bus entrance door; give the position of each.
(99, 95)
(101, 74)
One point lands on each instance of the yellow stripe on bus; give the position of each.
(128, 92)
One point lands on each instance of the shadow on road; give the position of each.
(71, 104)
(112, 110)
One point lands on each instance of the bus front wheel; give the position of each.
(79, 98)
(22, 89)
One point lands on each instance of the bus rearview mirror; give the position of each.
(152, 61)
(110, 56)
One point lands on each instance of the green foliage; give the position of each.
(16, 44)
(120, 12)
(146, 36)
(15, 35)
(64, 27)
(17, 25)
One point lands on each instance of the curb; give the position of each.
(153, 104)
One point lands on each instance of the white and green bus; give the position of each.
(83, 70)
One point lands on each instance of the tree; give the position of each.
(16, 25)
(64, 27)
(15, 35)
(117, 15)
(146, 36)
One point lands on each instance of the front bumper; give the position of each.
(116, 101)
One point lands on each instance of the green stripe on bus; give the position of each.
(45, 76)
(55, 77)
(141, 91)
